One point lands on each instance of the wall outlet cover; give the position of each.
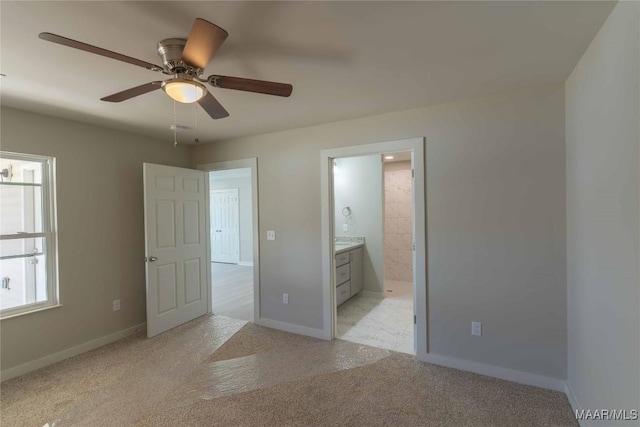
(271, 235)
(285, 298)
(116, 305)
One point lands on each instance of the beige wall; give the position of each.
(101, 234)
(398, 221)
(496, 221)
(603, 217)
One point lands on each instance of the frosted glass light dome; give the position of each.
(185, 91)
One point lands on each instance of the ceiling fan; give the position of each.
(185, 60)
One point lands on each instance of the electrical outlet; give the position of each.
(116, 305)
(476, 328)
(285, 298)
(271, 235)
(345, 227)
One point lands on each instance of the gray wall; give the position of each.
(603, 214)
(358, 184)
(101, 231)
(246, 214)
(496, 221)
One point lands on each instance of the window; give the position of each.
(28, 266)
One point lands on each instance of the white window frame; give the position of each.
(49, 233)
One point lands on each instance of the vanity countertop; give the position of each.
(347, 244)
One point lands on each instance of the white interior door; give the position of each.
(225, 226)
(175, 246)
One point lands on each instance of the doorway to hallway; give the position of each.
(231, 237)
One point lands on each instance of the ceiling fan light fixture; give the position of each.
(182, 90)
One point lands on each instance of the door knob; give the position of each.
(153, 259)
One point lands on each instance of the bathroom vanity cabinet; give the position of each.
(348, 274)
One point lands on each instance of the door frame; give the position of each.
(417, 147)
(237, 193)
(251, 163)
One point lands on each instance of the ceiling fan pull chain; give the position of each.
(175, 126)
(195, 106)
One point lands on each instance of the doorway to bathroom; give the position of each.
(373, 205)
(374, 245)
(232, 202)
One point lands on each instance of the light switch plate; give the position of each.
(116, 305)
(345, 227)
(271, 235)
(476, 328)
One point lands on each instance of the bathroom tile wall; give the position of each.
(398, 241)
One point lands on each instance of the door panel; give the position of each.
(165, 183)
(167, 288)
(165, 224)
(191, 223)
(190, 185)
(174, 246)
(192, 279)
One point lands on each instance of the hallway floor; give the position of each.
(232, 290)
(380, 322)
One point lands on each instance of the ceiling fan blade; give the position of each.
(134, 91)
(212, 107)
(98, 51)
(248, 85)
(203, 42)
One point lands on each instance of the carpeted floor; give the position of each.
(255, 339)
(217, 371)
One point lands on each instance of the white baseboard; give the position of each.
(575, 406)
(496, 371)
(246, 263)
(16, 371)
(290, 327)
(372, 294)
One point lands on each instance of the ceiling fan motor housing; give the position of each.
(170, 50)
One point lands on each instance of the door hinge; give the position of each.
(414, 246)
(414, 319)
(413, 173)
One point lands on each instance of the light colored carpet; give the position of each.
(262, 377)
(254, 339)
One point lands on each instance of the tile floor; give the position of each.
(380, 322)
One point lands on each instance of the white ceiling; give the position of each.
(344, 59)
(397, 157)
